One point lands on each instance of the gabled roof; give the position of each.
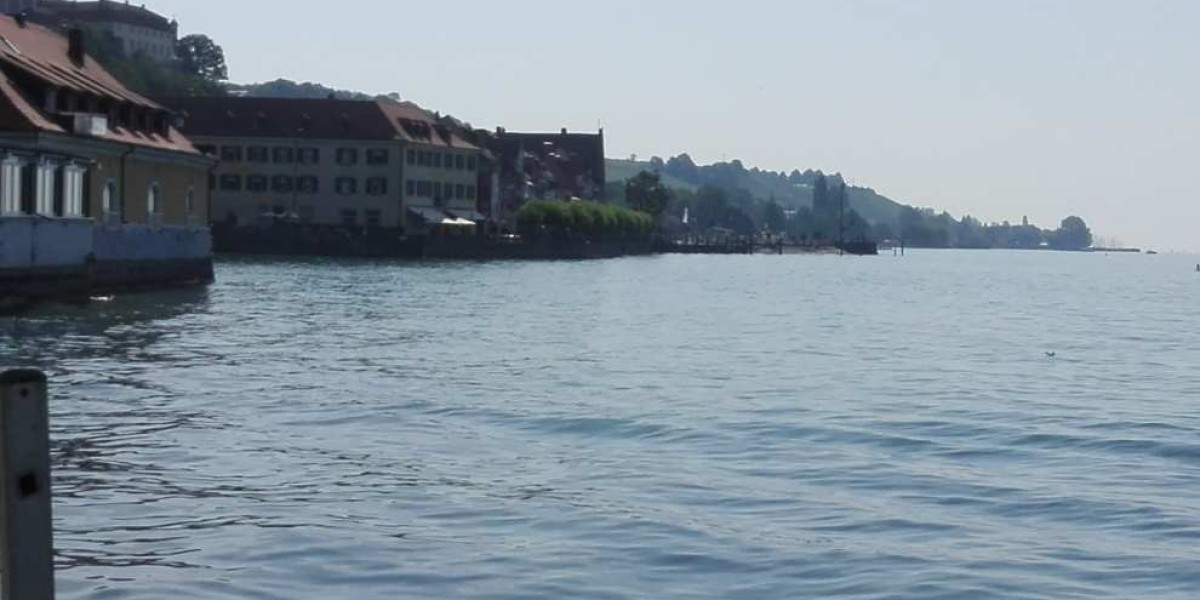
(43, 55)
(314, 119)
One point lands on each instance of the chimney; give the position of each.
(21, 18)
(75, 46)
(564, 131)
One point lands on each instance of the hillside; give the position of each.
(789, 190)
(285, 88)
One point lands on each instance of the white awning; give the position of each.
(469, 215)
(432, 216)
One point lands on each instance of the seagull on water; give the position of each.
(1051, 354)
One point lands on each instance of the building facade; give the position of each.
(13, 7)
(92, 176)
(337, 163)
(544, 166)
(137, 29)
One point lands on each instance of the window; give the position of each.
(377, 157)
(346, 186)
(256, 183)
(307, 184)
(231, 183)
(423, 159)
(109, 206)
(460, 191)
(284, 155)
(424, 188)
(470, 163)
(45, 190)
(471, 192)
(437, 189)
(449, 161)
(208, 149)
(10, 186)
(190, 203)
(410, 187)
(460, 162)
(73, 191)
(437, 160)
(349, 217)
(374, 218)
(256, 154)
(347, 156)
(412, 157)
(282, 184)
(231, 153)
(377, 186)
(154, 203)
(308, 156)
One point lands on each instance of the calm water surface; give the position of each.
(685, 427)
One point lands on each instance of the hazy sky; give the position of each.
(997, 109)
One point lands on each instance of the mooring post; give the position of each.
(26, 531)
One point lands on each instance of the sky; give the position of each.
(998, 110)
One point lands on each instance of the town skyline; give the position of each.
(994, 112)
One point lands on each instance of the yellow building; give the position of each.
(94, 179)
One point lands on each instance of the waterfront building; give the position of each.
(95, 181)
(546, 166)
(14, 7)
(340, 163)
(137, 29)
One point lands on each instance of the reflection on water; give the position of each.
(770, 427)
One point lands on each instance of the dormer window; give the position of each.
(51, 100)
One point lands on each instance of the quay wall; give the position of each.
(44, 258)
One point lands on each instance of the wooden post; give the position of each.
(26, 548)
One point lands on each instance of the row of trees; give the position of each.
(591, 220)
(713, 208)
(925, 228)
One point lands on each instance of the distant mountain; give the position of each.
(791, 191)
(285, 88)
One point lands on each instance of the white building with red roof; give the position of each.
(338, 163)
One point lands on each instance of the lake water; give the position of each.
(676, 426)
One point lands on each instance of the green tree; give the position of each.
(200, 56)
(820, 195)
(646, 193)
(1073, 234)
(711, 205)
(774, 218)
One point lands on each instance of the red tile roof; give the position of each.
(42, 54)
(306, 118)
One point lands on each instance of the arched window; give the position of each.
(110, 203)
(154, 204)
(190, 205)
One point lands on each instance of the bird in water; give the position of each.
(1051, 354)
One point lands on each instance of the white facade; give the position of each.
(32, 186)
(156, 44)
(348, 183)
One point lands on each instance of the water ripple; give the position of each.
(691, 427)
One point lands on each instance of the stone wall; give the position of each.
(32, 241)
(143, 243)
